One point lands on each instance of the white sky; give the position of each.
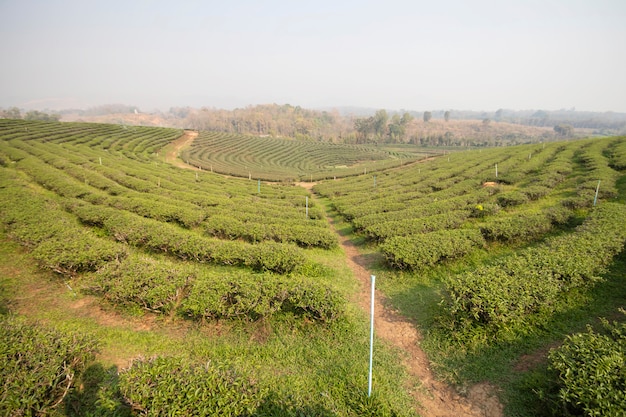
(396, 54)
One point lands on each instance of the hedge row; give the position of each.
(512, 292)
(230, 227)
(77, 173)
(166, 238)
(170, 386)
(58, 242)
(38, 366)
(190, 290)
(428, 249)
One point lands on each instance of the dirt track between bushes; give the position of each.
(434, 398)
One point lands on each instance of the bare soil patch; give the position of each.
(174, 149)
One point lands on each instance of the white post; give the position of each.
(595, 199)
(496, 170)
(100, 158)
(369, 386)
(306, 212)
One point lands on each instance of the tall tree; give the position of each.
(427, 116)
(446, 115)
(380, 123)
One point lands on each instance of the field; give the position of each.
(274, 159)
(236, 292)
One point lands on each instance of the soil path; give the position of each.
(171, 155)
(435, 398)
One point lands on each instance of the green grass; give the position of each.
(307, 367)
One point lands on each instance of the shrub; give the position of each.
(276, 257)
(515, 290)
(518, 226)
(154, 285)
(428, 249)
(169, 386)
(38, 366)
(512, 198)
(254, 296)
(592, 371)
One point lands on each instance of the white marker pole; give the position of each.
(595, 199)
(369, 389)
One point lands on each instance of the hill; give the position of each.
(153, 287)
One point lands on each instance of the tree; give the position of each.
(380, 123)
(406, 119)
(363, 128)
(427, 116)
(41, 116)
(563, 130)
(12, 113)
(446, 115)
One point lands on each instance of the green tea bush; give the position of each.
(187, 245)
(155, 285)
(521, 226)
(58, 242)
(428, 249)
(275, 257)
(253, 296)
(512, 198)
(618, 155)
(38, 366)
(75, 251)
(592, 372)
(515, 290)
(170, 386)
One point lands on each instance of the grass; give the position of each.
(309, 369)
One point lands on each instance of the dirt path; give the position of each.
(435, 398)
(171, 155)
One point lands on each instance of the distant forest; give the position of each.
(366, 126)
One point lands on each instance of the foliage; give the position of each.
(38, 366)
(170, 386)
(592, 371)
(170, 287)
(278, 159)
(249, 297)
(429, 249)
(520, 226)
(507, 296)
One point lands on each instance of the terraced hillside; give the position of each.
(496, 251)
(238, 287)
(255, 265)
(274, 159)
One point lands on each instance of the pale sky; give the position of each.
(396, 54)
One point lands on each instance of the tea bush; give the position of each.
(170, 386)
(428, 249)
(513, 291)
(38, 366)
(592, 371)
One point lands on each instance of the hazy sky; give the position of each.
(413, 55)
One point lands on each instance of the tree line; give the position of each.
(33, 115)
